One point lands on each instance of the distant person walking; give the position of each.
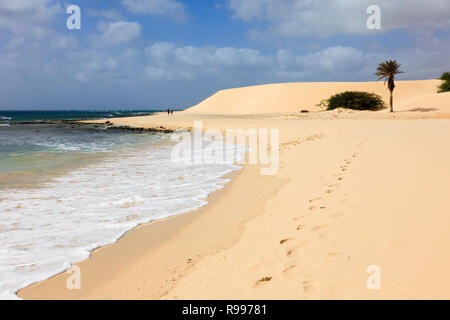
(168, 112)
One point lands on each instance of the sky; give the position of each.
(145, 54)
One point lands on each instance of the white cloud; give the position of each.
(227, 57)
(335, 59)
(118, 32)
(62, 42)
(230, 67)
(130, 76)
(159, 51)
(27, 16)
(170, 8)
(168, 61)
(316, 18)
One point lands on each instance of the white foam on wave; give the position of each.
(44, 230)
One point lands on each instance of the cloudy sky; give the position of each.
(154, 53)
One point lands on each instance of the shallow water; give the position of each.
(67, 190)
(31, 151)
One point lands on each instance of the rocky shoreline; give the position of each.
(106, 125)
(160, 129)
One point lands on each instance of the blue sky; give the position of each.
(145, 54)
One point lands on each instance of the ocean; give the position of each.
(7, 116)
(67, 189)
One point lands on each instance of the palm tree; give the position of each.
(388, 70)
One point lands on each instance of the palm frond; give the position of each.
(388, 70)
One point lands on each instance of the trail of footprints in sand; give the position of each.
(292, 246)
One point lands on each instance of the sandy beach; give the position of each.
(354, 189)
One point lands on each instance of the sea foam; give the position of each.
(44, 230)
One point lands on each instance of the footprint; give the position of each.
(309, 286)
(312, 208)
(314, 200)
(265, 279)
(334, 185)
(318, 228)
(291, 253)
(290, 268)
(285, 240)
(337, 215)
(293, 250)
(301, 227)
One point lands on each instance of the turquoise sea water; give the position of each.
(34, 149)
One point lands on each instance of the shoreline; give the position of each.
(222, 182)
(155, 234)
(353, 190)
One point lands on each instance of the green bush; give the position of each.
(445, 85)
(445, 76)
(356, 101)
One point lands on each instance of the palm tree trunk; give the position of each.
(392, 101)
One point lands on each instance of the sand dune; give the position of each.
(294, 97)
